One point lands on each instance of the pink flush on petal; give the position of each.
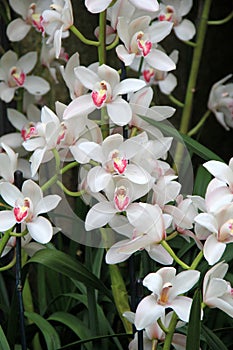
(144, 46)
(21, 211)
(18, 76)
(121, 199)
(28, 131)
(99, 96)
(62, 134)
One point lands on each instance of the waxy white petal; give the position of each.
(159, 60)
(97, 6)
(7, 220)
(36, 85)
(182, 305)
(87, 77)
(40, 230)
(148, 312)
(10, 193)
(185, 30)
(82, 105)
(17, 30)
(47, 204)
(99, 215)
(119, 111)
(213, 250)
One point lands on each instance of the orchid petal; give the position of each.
(185, 30)
(220, 170)
(28, 61)
(82, 105)
(148, 312)
(124, 55)
(7, 220)
(87, 77)
(40, 230)
(147, 5)
(183, 282)
(17, 30)
(98, 179)
(182, 305)
(128, 85)
(97, 6)
(10, 193)
(36, 85)
(119, 111)
(159, 60)
(99, 215)
(46, 204)
(208, 221)
(213, 249)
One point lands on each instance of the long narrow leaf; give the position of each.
(72, 322)
(212, 340)
(3, 341)
(68, 266)
(51, 337)
(194, 327)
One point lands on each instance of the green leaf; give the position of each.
(51, 337)
(169, 130)
(75, 324)
(212, 340)
(3, 341)
(194, 326)
(202, 180)
(68, 266)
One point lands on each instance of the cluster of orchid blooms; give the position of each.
(134, 189)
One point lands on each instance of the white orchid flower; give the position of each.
(167, 289)
(173, 11)
(30, 13)
(144, 227)
(165, 81)
(57, 21)
(115, 155)
(27, 205)
(217, 229)
(120, 194)
(140, 104)
(96, 6)
(106, 92)
(54, 133)
(14, 75)
(140, 40)
(10, 162)
(217, 293)
(73, 83)
(221, 102)
(155, 333)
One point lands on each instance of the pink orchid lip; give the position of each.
(28, 131)
(121, 199)
(21, 212)
(120, 164)
(18, 76)
(148, 74)
(144, 46)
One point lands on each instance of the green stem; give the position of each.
(196, 261)
(175, 101)
(190, 43)
(68, 167)
(10, 265)
(196, 128)
(221, 21)
(161, 325)
(49, 183)
(171, 330)
(82, 37)
(174, 256)
(102, 38)
(188, 104)
(57, 159)
(70, 193)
